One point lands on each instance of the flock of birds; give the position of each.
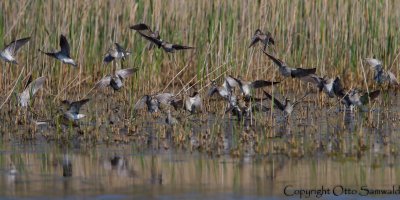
(240, 102)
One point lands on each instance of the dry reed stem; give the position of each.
(12, 90)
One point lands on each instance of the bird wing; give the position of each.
(314, 79)
(271, 40)
(233, 82)
(276, 102)
(164, 98)
(262, 83)
(156, 41)
(181, 47)
(147, 33)
(375, 63)
(177, 103)
(33, 87)
(197, 101)
(125, 73)
(142, 28)
(29, 81)
(338, 88)
(188, 105)
(104, 82)
(141, 103)
(15, 45)
(254, 40)
(51, 54)
(119, 48)
(64, 45)
(108, 58)
(76, 106)
(300, 72)
(277, 61)
(212, 90)
(373, 95)
(366, 97)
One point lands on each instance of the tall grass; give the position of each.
(329, 35)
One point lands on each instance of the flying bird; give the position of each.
(225, 91)
(143, 29)
(64, 54)
(353, 97)
(381, 75)
(10, 51)
(288, 71)
(153, 102)
(146, 32)
(322, 83)
(338, 88)
(357, 98)
(247, 86)
(265, 38)
(30, 90)
(115, 81)
(194, 103)
(287, 106)
(73, 108)
(116, 53)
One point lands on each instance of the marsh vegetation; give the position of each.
(332, 36)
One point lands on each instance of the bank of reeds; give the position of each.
(329, 35)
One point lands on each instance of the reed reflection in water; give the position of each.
(51, 171)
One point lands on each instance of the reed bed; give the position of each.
(332, 36)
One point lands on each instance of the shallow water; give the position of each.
(207, 156)
(119, 172)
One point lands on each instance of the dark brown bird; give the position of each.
(288, 71)
(265, 38)
(154, 37)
